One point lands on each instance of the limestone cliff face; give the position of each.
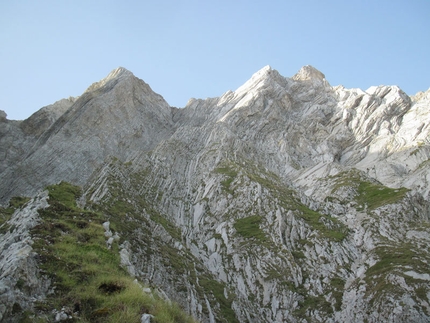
(285, 200)
(119, 116)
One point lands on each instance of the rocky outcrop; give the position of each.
(21, 283)
(285, 200)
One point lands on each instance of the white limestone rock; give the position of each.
(281, 150)
(20, 280)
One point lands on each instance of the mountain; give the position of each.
(287, 200)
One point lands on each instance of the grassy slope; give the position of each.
(88, 279)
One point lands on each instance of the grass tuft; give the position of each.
(370, 193)
(230, 173)
(376, 195)
(6, 212)
(249, 227)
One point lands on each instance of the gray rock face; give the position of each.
(21, 283)
(17, 137)
(119, 116)
(304, 201)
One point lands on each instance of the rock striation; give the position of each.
(287, 200)
(21, 283)
(117, 116)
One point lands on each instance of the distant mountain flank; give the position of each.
(286, 200)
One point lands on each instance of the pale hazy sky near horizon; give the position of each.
(55, 49)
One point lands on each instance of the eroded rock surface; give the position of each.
(21, 283)
(285, 200)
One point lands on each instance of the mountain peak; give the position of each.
(119, 72)
(307, 73)
(264, 71)
(262, 74)
(258, 79)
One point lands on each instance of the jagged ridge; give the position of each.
(284, 190)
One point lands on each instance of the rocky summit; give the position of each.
(287, 200)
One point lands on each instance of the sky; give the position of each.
(51, 50)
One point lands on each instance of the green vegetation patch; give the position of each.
(274, 271)
(370, 193)
(249, 228)
(311, 303)
(230, 173)
(396, 259)
(175, 258)
(173, 230)
(121, 208)
(14, 204)
(125, 200)
(18, 202)
(217, 290)
(65, 194)
(329, 227)
(298, 254)
(87, 276)
(326, 226)
(350, 178)
(337, 284)
(376, 195)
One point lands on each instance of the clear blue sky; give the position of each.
(55, 49)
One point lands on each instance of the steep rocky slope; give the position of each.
(285, 200)
(17, 137)
(115, 117)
